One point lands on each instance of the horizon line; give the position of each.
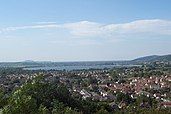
(81, 60)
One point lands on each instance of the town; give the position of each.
(118, 87)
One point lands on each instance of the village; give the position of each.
(104, 85)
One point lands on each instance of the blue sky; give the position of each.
(83, 30)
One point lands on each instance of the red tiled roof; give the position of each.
(166, 103)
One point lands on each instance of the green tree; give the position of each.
(3, 98)
(102, 111)
(20, 104)
(114, 74)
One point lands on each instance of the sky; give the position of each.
(84, 30)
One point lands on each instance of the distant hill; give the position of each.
(28, 61)
(153, 58)
(31, 63)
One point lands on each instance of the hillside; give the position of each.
(153, 58)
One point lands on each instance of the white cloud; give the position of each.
(8, 29)
(93, 29)
(142, 26)
(84, 28)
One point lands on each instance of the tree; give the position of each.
(43, 110)
(3, 98)
(102, 111)
(114, 74)
(123, 97)
(20, 104)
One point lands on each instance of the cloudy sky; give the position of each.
(83, 30)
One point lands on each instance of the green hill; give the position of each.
(153, 58)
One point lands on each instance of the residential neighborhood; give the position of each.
(104, 85)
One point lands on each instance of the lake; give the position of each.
(77, 67)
